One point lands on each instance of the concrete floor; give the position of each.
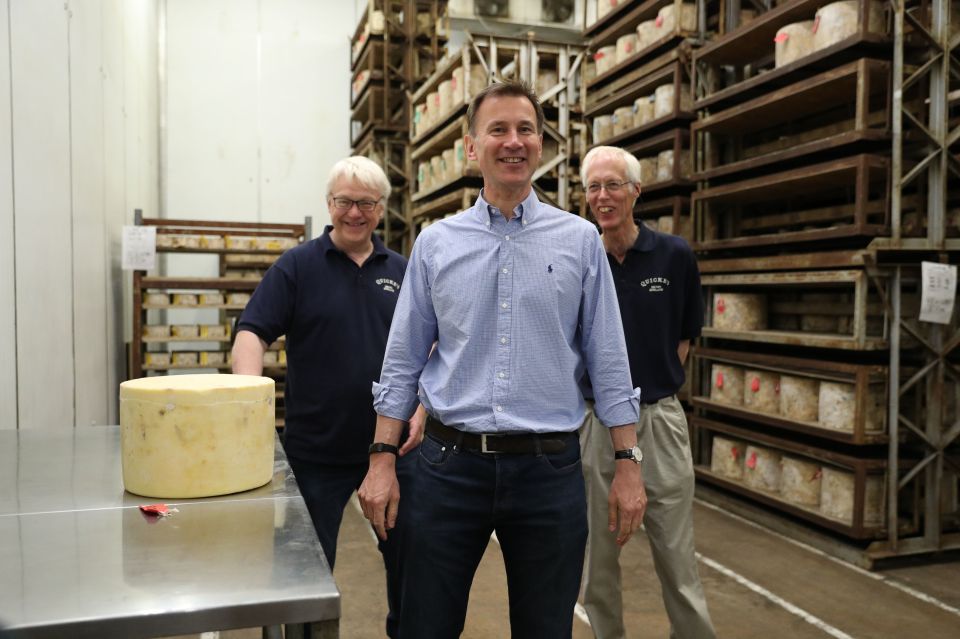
(758, 584)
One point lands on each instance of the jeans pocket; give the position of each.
(567, 460)
(434, 451)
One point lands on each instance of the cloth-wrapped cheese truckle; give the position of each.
(185, 436)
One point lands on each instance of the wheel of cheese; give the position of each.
(665, 224)
(739, 311)
(727, 457)
(450, 165)
(836, 405)
(605, 58)
(836, 497)
(793, 42)
(647, 34)
(185, 436)
(445, 91)
(800, 481)
(626, 47)
(761, 469)
(644, 110)
(761, 391)
(799, 398)
(838, 20)
(726, 384)
(622, 120)
(648, 170)
(602, 128)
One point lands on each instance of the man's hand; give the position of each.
(380, 493)
(627, 500)
(415, 436)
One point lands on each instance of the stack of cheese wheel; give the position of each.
(761, 391)
(761, 469)
(739, 311)
(667, 20)
(799, 398)
(800, 481)
(605, 58)
(622, 120)
(665, 100)
(836, 496)
(665, 165)
(793, 42)
(726, 384)
(647, 34)
(602, 127)
(838, 21)
(626, 47)
(727, 457)
(644, 110)
(184, 436)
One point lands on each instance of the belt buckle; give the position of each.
(483, 442)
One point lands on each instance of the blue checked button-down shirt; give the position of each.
(519, 309)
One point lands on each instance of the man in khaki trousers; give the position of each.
(658, 288)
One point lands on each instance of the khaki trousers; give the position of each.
(668, 475)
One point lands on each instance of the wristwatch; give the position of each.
(633, 454)
(380, 447)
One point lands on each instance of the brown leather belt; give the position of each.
(509, 443)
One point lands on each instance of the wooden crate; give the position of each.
(789, 295)
(824, 114)
(845, 198)
(738, 66)
(861, 467)
(869, 381)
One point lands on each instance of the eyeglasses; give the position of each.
(610, 187)
(345, 204)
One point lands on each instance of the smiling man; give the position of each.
(658, 286)
(520, 301)
(333, 297)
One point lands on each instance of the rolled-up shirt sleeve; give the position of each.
(616, 402)
(412, 333)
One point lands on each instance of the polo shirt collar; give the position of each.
(526, 210)
(327, 244)
(646, 239)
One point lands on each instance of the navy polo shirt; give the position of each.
(336, 316)
(658, 288)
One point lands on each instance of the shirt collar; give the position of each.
(646, 239)
(525, 211)
(327, 244)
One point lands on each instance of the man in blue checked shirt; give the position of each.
(520, 300)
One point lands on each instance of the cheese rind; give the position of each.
(186, 436)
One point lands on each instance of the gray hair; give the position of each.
(630, 163)
(363, 170)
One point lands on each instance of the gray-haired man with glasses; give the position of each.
(658, 289)
(333, 298)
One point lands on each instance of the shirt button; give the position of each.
(507, 237)
(499, 409)
(505, 271)
(503, 340)
(524, 222)
(504, 305)
(501, 374)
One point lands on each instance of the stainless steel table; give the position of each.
(79, 559)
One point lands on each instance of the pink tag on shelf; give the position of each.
(721, 305)
(781, 37)
(755, 384)
(598, 55)
(752, 460)
(719, 380)
(659, 21)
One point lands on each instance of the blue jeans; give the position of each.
(537, 506)
(326, 489)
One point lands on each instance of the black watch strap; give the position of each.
(380, 447)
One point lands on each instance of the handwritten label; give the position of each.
(139, 248)
(939, 292)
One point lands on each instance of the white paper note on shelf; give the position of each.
(939, 292)
(139, 248)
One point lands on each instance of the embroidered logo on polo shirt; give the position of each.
(655, 284)
(388, 285)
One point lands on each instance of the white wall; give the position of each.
(257, 104)
(78, 150)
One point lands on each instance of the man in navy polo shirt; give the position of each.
(658, 287)
(333, 297)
